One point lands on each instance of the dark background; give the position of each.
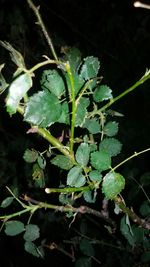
(114, 31)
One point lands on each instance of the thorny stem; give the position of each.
(42, 25)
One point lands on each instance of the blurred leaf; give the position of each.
(32, 232)
(7, 202)
(113, 183)
(92, 125)
(111, 128)
(75, 177)
(100, 160)
(145, 179)
(3, 83)
(101, 93)
(38, 176)
(31, 248)
(82, 154)
(30, 155)
(145, 208)
(83, 262)
(13, 228)
(81, 111)
(86, 247)
(17, 91)
(43, 109)
(145, 256)
(111, 145)
(52, 80)
(125, 230)
(95, 176)
(63, 162)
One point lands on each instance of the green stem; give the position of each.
(69, 189)
(44, 30)
(46, 62)
(7, 217)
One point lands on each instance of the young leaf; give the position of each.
(81, 111)
(30, 155)
(6, 202)
(17, 90)
(95, 176)
(32, 232)
(31, 248)
(101, 93)
(111, 128)
(63, 162)
(111, 145)
(13, 228)
(92, 125)
(42, 109)
(75, 178)
(113, 183)
(100, 160)
(82, 154)
(52, 81)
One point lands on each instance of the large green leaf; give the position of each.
(75, 178)
(101, 93)
(63, 162)
(52, 80)
(13, 228)
(17, 90)
(43, 109)
(100, 160)
(32, 232)
(111, 145)
(82, 154)
(81, 111)
(113, 183)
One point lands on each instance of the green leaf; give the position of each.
(38, 176)
(86, 247)
(111, 128)
(17, 91)
(89, 196)
(43, 109)
(63, 162)
(111, 145)
(84, 262)
(31, 248)
(145, 208)
(95, 176)
(81, 111)
(41, 161)
(90, 70)
(32, 232)
(13, 228)
(75, 178)
(101, 93)
(73, 55)
(125, 230)
(113, 183)
(52, 81)
(145, 256)
(92, 125)
(3, 83)
(64, 117)
(30, 155)
(7, 202)
(82, 154)
(100, 160)
(145, 179)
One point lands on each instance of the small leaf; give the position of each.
(125, 230)
(111, 145)
(89, 196)
(92, 125)
(30, 155)
(84, 262)
(100, 160)
(73, 55)
(63, 162)
(95, 176)
(113, 183)
(6, 202)
(32, 232)
(82, 154)
(75, 177)
(145, 208)
(3, 83)
(43, 109)
(52, 81)
(86, 247)
(111, 128)
(41, 161)
(101, 93)
(13, 228)
(81, 111)
(31, 248)
(145, 179)
(17, 90)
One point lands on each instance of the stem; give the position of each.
(41, 64)
(69, 189)
(42, 25)
(139, 4)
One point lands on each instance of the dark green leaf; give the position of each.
(63, 162)
(6, 202)
(90, 196)
(100, 160)
(145, 179)
(101, 93)
(3, 83)
(17, 91)
(111, 128)
(81, 111)
(31, 248)
(82, 154)
(41, 161)
(95, 176)
(111, 145)
(145, 208)
(43, 109)
(113, 183)
(30, 155)
(64, 117)
(84, 262)
(73, 55)
(145, 256)
(32, 232)
(75, 177)
(125, 230)
(92, 125)
(13, 228)
(86, 247)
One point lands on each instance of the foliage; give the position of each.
(73, 98)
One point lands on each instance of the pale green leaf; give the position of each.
(6, 202)
(101, 93)
(92, 125)
(113, 183)
(43, 109)
(31, 248)
(75, 178)
(13, 228)
(63, 162)
(30, 155)
(32, 232)
(100, 160)
(111, 145)
(81, 111)
(111, 128)
(17, 91)
(82, 154)
(52, 80)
